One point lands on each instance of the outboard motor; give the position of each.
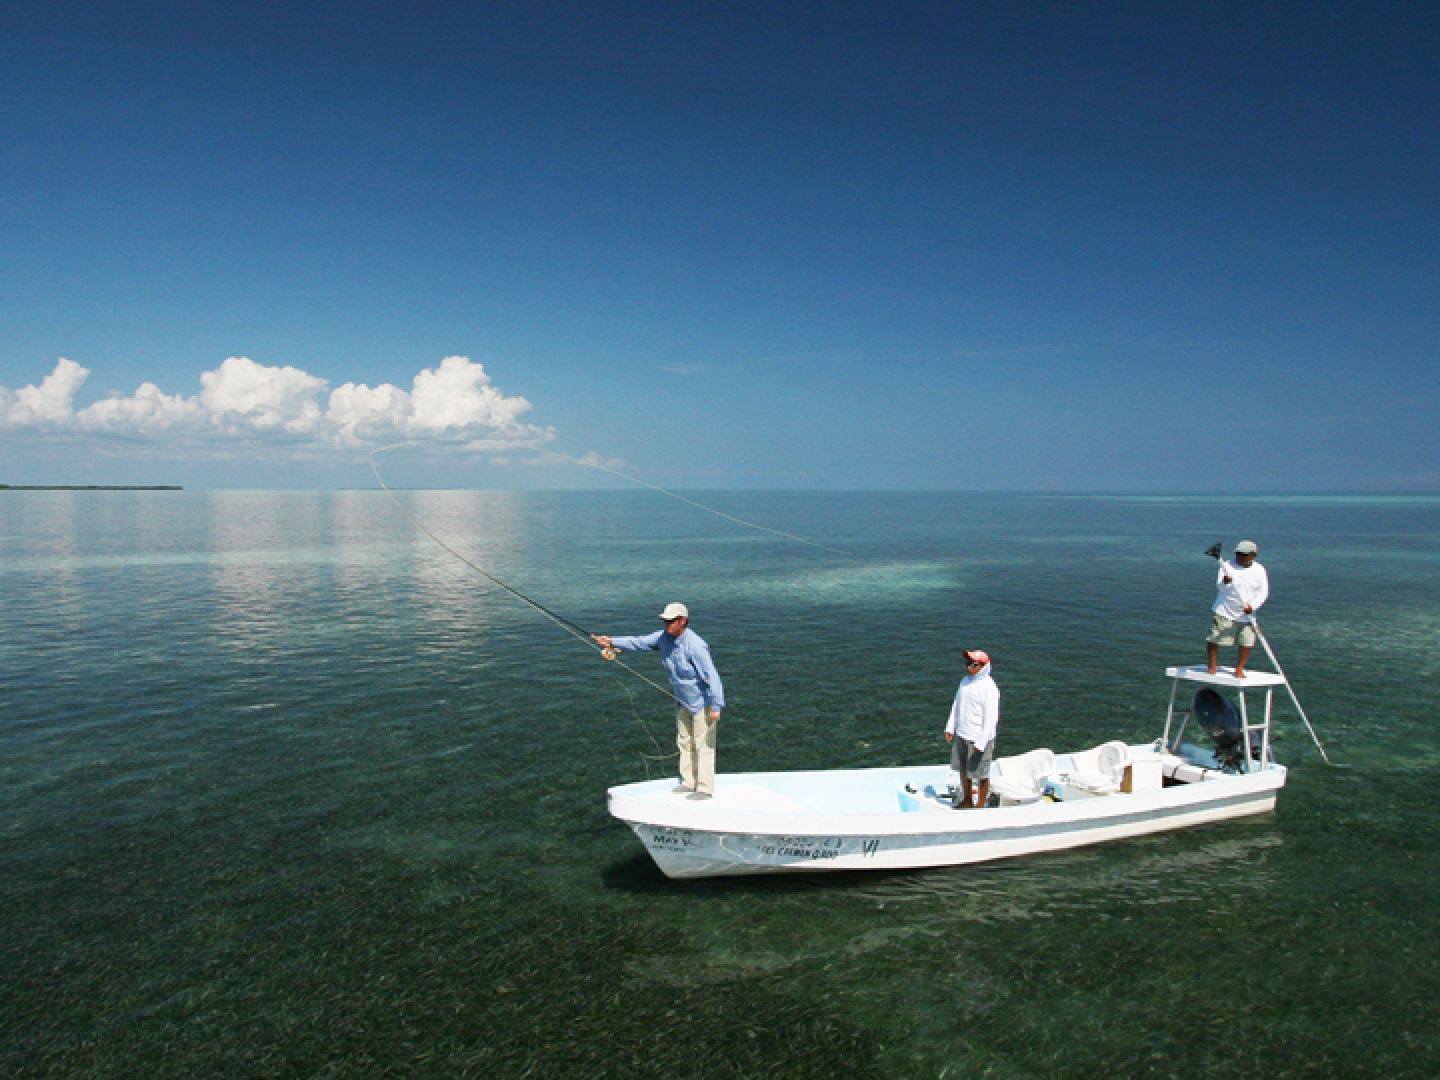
(1221, 721)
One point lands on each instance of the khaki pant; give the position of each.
(695, 739)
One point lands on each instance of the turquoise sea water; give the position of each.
(289, 790)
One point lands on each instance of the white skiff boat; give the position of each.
(899, 818)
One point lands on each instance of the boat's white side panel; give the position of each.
(683, 853)
(701, 839)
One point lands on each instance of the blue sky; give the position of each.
(1013, 246)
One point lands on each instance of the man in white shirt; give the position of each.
(1242, 588)
(974, 716)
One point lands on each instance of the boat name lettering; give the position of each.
(804, 847)
(670, 838)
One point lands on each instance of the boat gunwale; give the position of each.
(715, 817)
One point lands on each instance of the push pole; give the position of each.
(1298, 707)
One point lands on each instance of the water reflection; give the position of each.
(483, 528)
(251, 538)
(1167, 869)
(47, 605)
(40, 535)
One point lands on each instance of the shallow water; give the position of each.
(290, 790)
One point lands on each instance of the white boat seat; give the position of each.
(1100, 770)
(1021, 779)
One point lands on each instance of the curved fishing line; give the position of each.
(696, 504)
(559, 620)
(659, 754)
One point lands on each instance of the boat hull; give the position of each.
(763, 828)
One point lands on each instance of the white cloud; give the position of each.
(243, 401)
(596, 460)
(359, 413)
(51, 404)
(454, 404)
(241, 394)
(147, 412)
(459, 395)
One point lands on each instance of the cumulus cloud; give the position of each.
(51, 404)
(147, 412)
(245, 401)
(243, 396)
(454, 403)
(359, 413)
(458, 394)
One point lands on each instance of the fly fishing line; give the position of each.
(695, 503)
(559, 620)
(607, 652)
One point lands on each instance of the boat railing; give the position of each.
(1183, 715)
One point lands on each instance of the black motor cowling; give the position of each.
(1221, 721)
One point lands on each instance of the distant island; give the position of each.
(91, 487)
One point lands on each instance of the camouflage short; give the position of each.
(1224, 631)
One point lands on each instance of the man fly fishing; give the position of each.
(699, 694)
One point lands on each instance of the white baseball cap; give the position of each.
(675, 611)
(1246, 547)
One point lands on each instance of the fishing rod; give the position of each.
(1214, 553)
(575, 630)
(571, 628)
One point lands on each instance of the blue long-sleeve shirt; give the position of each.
(687, 661)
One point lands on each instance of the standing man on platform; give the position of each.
(1242, 589)
(699, 694)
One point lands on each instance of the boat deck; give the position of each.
(884, 800)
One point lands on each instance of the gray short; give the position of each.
(968, 761)
(1224, 631)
